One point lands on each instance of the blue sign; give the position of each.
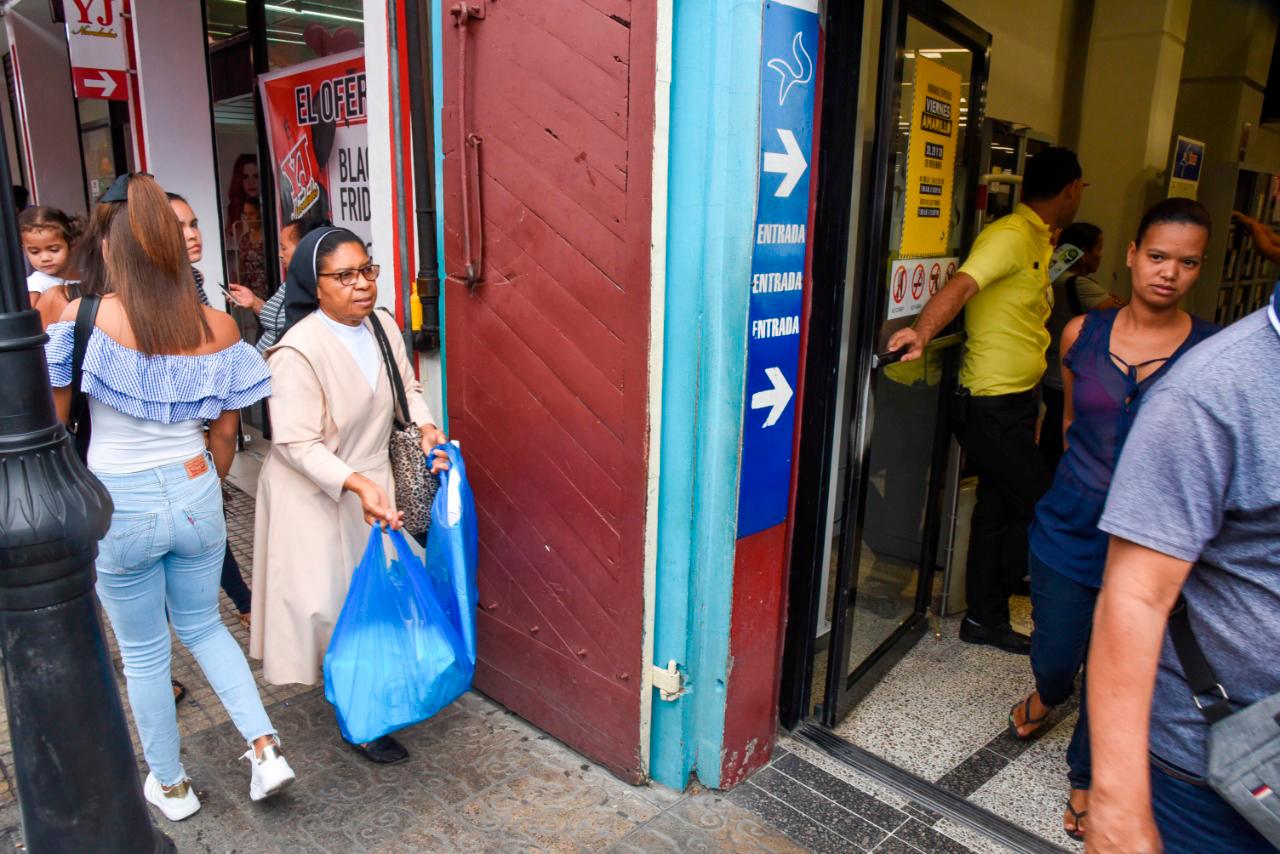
(1188, 157)
(789, 64)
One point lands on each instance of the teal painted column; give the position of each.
(715, 144)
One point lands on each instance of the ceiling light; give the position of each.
(309, 12)
(314, 14)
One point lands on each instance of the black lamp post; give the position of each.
(76, 775)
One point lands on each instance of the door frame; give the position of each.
(821, 442)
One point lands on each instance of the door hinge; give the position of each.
(669, 681)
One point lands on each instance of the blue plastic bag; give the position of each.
(405, 643)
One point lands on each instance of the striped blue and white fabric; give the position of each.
(200, 294)
(271, 320)
(167, 389)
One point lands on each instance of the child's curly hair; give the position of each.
(43, 217)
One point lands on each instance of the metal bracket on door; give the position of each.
(474, 9)
(669, 681)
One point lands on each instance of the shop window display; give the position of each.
(292, 32)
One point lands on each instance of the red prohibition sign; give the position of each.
(917, 282)
(951, 270)
(935, 273)
(899, 284)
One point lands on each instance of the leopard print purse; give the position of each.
(415, 485)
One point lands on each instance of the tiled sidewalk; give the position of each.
(480, 779)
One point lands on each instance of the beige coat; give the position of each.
(309, 534)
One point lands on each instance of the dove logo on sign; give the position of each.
(793, 76)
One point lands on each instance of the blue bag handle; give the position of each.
(458, 539)
(399, 542)
(455, 461)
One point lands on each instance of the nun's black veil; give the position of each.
(300, 297)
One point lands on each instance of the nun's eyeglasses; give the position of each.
(348, 278)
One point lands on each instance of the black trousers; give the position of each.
(233, 582)
(1051, 429)
(998, 435)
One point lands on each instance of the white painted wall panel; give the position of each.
(177, 126)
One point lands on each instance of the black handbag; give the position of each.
(78, 418)
(415, 485)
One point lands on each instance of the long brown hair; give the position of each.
(87, 257)
(147, 268)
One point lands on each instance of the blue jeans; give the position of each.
(165, 547)
(1062, 610)
(1195, 820)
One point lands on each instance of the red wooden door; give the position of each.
(548, 355)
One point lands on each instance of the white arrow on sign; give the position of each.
(791, 164)
(777, 397)
(105, 82)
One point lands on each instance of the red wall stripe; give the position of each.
(402, 189)
(135, 91)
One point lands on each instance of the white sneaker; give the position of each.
(176, 803)
(271, 773)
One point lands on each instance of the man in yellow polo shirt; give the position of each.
(1003, 286)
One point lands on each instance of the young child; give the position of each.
(48, 236)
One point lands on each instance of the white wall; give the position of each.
(1130, 95)
(176, 124)
(47, 104)
(1030, 53)
(377, 62)
(378, 108)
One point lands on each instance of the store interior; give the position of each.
(884, 669)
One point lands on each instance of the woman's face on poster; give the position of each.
(249, 179)
(252, 216)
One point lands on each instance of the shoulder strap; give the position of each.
(1196, 667)
(1088, 328)
(1073, 296)
(79, 413)
(399, 401)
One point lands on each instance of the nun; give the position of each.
(327, 477)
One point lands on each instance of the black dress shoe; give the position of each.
(1001, 637)
(382, 751)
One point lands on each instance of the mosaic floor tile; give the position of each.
(793, 823)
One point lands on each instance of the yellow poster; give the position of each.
(931, 159)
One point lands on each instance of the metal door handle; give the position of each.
(889, 357)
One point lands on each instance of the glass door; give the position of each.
(920, 213)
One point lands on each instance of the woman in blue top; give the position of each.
(1110, 359)
(156, 366)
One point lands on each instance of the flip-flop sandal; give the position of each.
(179, 691)
(1027, 720)
(1077, 834)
